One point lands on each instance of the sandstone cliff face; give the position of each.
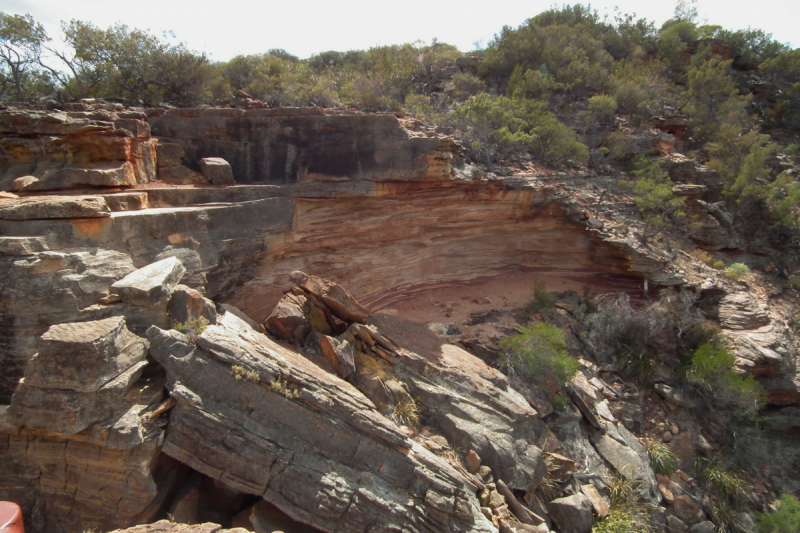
(282, 146)
(75, 149)
(356, 199)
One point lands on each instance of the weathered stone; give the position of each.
(20, 246)
(327, 476)
(188, 306)
(48, 288)
(217, 171)
(630, 460)
(703, 527)
(100, 175)
(54, 207)
(599, 504)
(151, 285)
(687, 510)
(740, 311)
(179, 175)
(339, 353)
(340, 302)
(675, 525)
(66, 411)
(169, 154)
(289, 320)
(560, 467)
(20, 184)
(473, 461)
(84, 356)
(674, 395)
(572, 514)
(510, 526)
(466, 401)
(168, 526)
(127, 201)
(139, 129)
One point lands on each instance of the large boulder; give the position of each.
(217, 171)
(572, 514)
(340, 302)
(151, 285)
(84, 356)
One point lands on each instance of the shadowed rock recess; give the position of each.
(163, 344)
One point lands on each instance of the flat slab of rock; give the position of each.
(84, 356)
(127, 201)
(340, 302)
(217, 171)
(66, 411)
(166, 526)
(22, 245)
(44, 207)
(106, 175)
(151, 285)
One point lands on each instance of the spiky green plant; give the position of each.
(662, 458)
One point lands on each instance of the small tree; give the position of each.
(21, 41)
(653, 195)
(712, 99)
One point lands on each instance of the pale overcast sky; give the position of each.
(306, 27)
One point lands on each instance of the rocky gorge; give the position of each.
(199, 320)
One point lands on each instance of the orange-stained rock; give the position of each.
(340, 302)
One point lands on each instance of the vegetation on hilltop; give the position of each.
(567, 88)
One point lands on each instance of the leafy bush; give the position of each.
(785, 520)
(601, 108)
(702, 256)
(538, 353)
(662, 459)
(658, 205)
(737, 271)
(711, 370)
(513, 125)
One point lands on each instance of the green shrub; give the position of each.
(628, 514)
(785, 520)
(728, 485)
(662, 459)
(240, 373)
(718, 264)
(542, 299)
(737, 271)
(712, 371)
(538, 353)
(702, 256)
(602, 107)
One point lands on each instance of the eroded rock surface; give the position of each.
(300, 437)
